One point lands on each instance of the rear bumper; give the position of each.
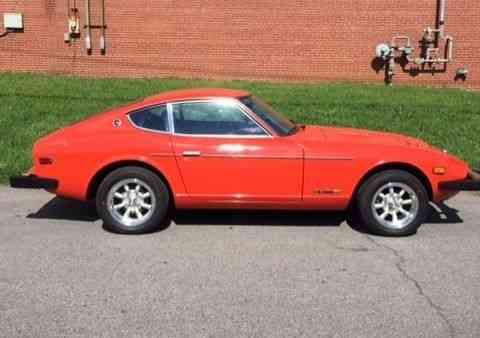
(472, 183)
(33, 182)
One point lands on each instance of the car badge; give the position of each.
(117, 123)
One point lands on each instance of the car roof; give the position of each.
(191, 94)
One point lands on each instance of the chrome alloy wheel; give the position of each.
(395, 205)
(131, 202)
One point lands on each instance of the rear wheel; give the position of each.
(132, 200)
(393, 203)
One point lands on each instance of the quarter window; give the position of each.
(213, 118)
(153, 118)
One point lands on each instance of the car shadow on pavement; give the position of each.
(71, 210)
(258, 218)
(65, 209)
(442, 213)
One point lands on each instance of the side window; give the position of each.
(213, 118)
(153, 118)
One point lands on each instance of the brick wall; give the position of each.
(301, 40)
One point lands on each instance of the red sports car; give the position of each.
(224, 149)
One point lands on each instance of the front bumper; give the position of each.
(472, 183)
(33, 182)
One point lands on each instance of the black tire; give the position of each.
(157, 216)
(368, 191)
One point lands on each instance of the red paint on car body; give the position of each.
(315, 168)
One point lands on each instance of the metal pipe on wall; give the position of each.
(102, 38)
(448, 49)
(88, 35)
(431, 44)
(441, 18)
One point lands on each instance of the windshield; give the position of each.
(279, 123)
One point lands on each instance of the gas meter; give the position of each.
(383, 51)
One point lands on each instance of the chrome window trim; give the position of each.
(224, 136)
(167, 132)
(171, 125)
(230, 100)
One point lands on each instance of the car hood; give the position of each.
(360, 136)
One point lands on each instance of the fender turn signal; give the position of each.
(45, 160)
(439, 170)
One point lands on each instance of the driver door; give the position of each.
(226, 157)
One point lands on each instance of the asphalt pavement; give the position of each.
(240, 274)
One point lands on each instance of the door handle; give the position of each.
(191, 153)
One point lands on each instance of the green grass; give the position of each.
(34, 105)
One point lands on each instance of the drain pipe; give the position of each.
(88, 35)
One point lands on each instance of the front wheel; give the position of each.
(393, 203)
(132, 200)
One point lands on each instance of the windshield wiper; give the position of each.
(293, 130)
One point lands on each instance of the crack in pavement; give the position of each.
(399, 265)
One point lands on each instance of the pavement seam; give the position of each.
(399, 265)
